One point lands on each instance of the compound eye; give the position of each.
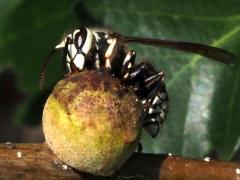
(83, 39)
(80, 36)
(79, 41)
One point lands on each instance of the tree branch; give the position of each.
(36, 161)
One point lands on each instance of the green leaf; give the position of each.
(203, 107)
(30, 29)
(203, 114)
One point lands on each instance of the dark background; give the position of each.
(204, 109)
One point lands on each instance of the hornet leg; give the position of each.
(150, 89)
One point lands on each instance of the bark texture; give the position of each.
(36, 161)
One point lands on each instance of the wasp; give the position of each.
(93, 49)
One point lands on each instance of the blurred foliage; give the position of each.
(203, 116)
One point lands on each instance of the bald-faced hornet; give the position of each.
(94, 49)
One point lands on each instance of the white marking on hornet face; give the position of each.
(60, 45)
(72, 50)
(68, 67)
(68, 59)
(79, 61)
(88, 43)
(75, 32)
(63, 42)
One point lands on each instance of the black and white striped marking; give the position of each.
(156, 114)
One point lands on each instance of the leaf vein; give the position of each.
(196, 58)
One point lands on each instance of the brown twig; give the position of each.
(36, 161)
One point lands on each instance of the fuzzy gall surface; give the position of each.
(92, 123)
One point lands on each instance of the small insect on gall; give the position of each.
(72, 110)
